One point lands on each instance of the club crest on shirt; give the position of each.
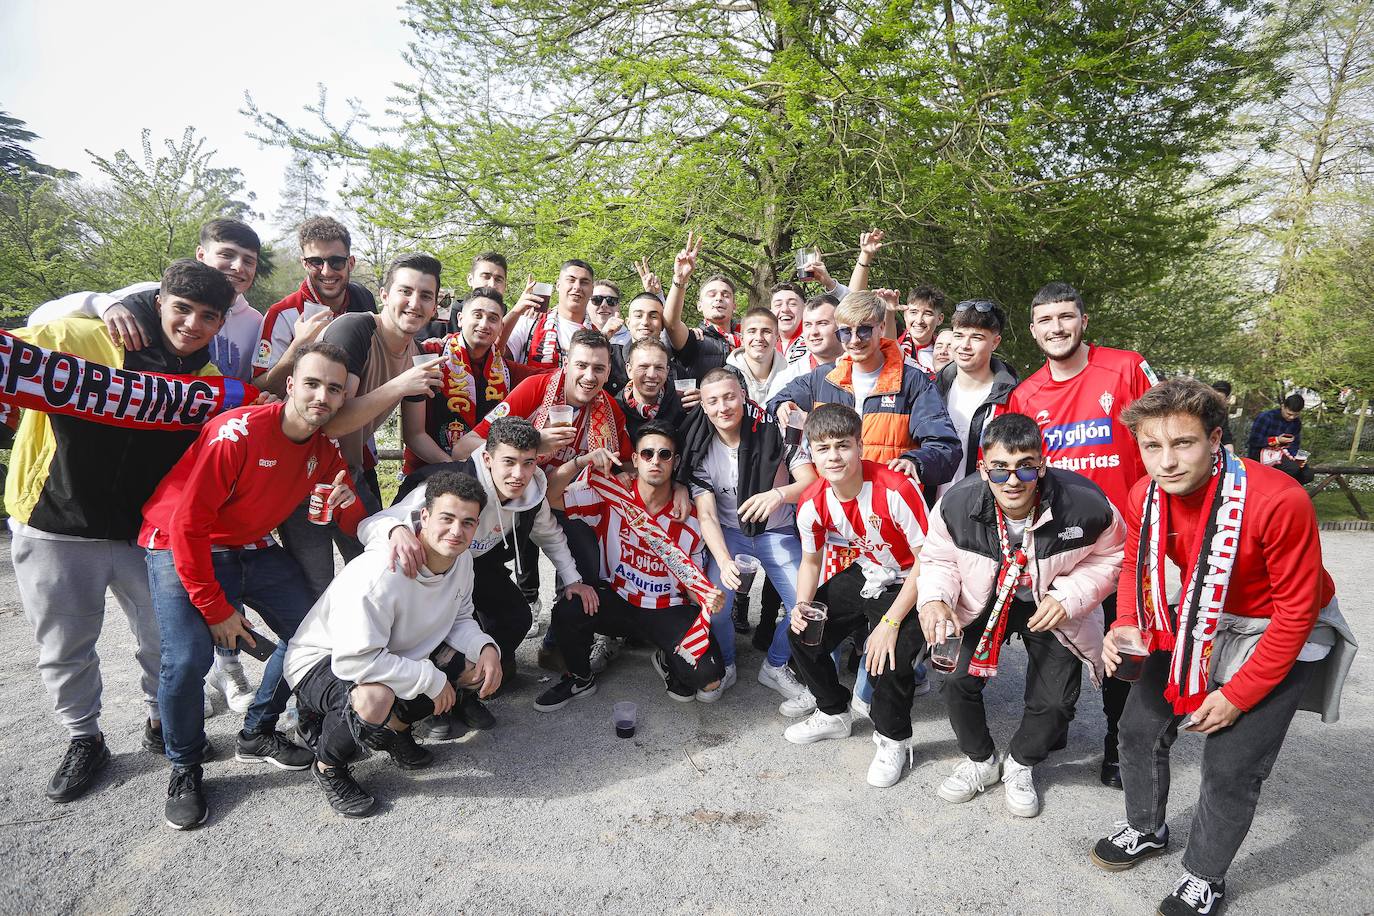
(873, 522)
(310, 464)
(1106, 401)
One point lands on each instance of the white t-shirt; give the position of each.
(721, 471)
(962, 404)
(520, 334)
(864, 383)
(1016, 529)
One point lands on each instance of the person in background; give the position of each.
(977, 383)
(603, 311)
(1276, 439)
(924, 312)
(944, 349)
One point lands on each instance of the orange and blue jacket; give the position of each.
(903, 417)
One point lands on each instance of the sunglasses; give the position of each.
(863, 331)
(335, 262)
(978, 305)
(605, 300)
(1002, 475)
(662, 454)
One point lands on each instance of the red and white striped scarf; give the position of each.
(698, 637)
(989, 648)
(596, 421)
(49, 381)
(1189, 636)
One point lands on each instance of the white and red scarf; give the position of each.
(645, 410)
(542, 350)
(1189, 634)
(698, 636)
(49, 381)
(596, 422)
(983, 663)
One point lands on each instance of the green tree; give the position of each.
(42, 249)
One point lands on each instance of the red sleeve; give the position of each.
(522, 401)
(1292, 551)
(348, 519)
(219, 462)
(1126, 614)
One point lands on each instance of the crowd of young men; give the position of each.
(901, 494)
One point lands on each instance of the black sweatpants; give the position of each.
(850, 612)
(498, 604)
(328, 718)
(573, 628)
(1054, 676)
(1114, 692)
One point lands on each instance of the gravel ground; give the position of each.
(707, 809)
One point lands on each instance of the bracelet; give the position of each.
(863, 263)
(890, 622)
(678, 283)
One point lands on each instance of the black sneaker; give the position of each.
(1111, 763)
(741, 612)
(153, 743)
(564, 692)
(403, 749)
(675, 690)
(84, 760)
(440, 728)
(1193, 896)
(1127, 847)
(186, 807)
(271, 747)
(343, 793)
(472, 712)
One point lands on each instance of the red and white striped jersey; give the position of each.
(885, 523)
(630, 566)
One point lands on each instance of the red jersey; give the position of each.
(630, 566)
(240, 479)
(526, 399)
(1080, 418)
(886, 523)
(1277, 573)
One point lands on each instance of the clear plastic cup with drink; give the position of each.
(684, 385)
(796, 422)
(815, 614)
(625, 717)
(1130, 645)
(748, 567)
(543, 291)
(560, 415)
(944, 656)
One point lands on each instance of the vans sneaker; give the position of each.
(1127, 847)
(969, 778)
(1193, 896)
(819, 726)
(892, 755)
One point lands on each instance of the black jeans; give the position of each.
(1054, 676)
(573, 628)
(329, 721)
(1114, 692)
(499, 605)
(1235, 763)
(850, 612)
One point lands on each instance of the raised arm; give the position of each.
(870, 243)
(683, 266)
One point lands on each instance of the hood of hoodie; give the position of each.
(497, 524)
(1003, 381)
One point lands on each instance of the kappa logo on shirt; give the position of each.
(267, 462)
(231, 430)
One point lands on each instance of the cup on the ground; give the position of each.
(945, 655)
(814, 613)
(1133, 651)
(561, 415)
(625, 716)
(748, 568)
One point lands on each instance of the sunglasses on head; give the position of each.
(605, 300)
(1002, 475)
(978, 305)
(863, 331)
(335, 262)
(662, 454)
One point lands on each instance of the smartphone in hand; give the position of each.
(261, 650)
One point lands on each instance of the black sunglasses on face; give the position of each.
(864, 332)
(607, 300)
(1002, 475)
(663, 454)
(978, 305)
(335, 262)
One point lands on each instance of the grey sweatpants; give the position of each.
(62, 586)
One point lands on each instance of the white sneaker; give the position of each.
(782, 680)
(858, 707)
(797, 707)
(229, 679)
(209, 707)
(535, 621)
(604, 649)
(1022, 799)
(726, 682)
(819, 726)
(969, 778)
(888, 761)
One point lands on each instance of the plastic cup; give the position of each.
(624, 715)
(748, 567)
(543, 291)
(684, 385)
(804, 258)
(1133, 654)
(796, 421)
(560, 415)
(815, 614)
(944, 656)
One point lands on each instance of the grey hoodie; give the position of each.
(496, 526)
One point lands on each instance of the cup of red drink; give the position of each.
(1133, 651)
(748, 568)
(815, 614)
(944, 656)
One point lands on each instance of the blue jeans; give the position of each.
(268, 579)
(779, 556)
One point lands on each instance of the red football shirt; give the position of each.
(526, 398)
(1080, 418)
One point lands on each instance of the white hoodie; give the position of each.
(378, 626)
(496, 526)
(759, 392)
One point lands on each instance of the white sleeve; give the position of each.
(91, 304)
(375, 530)
(519, 337)
(360, 655)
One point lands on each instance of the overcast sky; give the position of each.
(92, 75)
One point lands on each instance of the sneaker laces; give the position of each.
(1193, 890)
(891, 751)
(78, 756)
(786, 678)
(967, 773)
(1126, 836)
(184, 780)
(237, 678)
(341, 785)
(1019, 778)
